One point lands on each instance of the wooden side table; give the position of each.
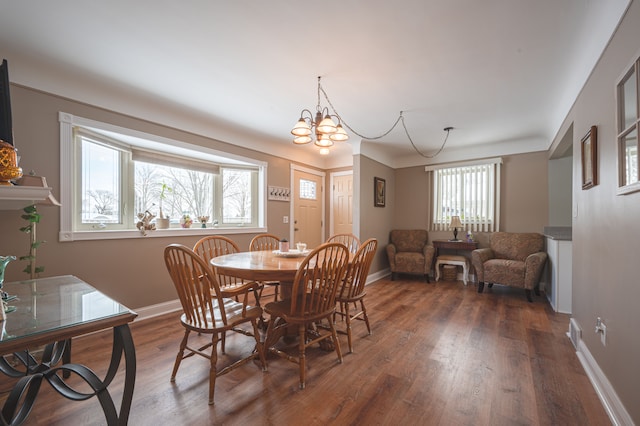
(452, 246)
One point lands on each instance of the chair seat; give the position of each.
(233, 312)
(282, 309)
(505, 271)
(447, 259)
(410, 262)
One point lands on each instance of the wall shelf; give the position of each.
(19, 197)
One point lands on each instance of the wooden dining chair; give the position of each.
(266, 242)
(313, 299)
(351, 241)
(206, 311)
(216, 245)
(352, 291)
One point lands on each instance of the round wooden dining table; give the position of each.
(264, 265)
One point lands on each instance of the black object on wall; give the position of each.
(6, 129)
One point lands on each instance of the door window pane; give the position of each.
(307, 189)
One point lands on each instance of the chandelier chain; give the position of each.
(398, 120)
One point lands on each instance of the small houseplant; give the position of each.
(33, 217)
(163, 222)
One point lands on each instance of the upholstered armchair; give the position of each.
(513, 259)
(409, 252)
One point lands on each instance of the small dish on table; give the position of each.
(291, 253)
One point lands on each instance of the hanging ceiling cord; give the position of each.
(399, 119)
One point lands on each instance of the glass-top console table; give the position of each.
(50, 312)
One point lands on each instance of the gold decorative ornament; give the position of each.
(9, 169)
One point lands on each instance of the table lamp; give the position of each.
(455, 224)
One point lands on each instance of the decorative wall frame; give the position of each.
(589, 158)
(379, 192)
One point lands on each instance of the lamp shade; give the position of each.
(324, 141)
(340, 134)
(301, 140)
(327, 125)
(455, 222)
(302, 128)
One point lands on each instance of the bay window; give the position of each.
(112, 175)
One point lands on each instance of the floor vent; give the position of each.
(575, 333)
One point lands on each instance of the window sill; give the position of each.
(67, 236)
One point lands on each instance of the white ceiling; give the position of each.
(503, 73)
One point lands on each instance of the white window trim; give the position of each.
(66, 234)
(623, 189)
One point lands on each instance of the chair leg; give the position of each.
(336, 342)
(364, 315)
(527, 292)
(212, 367)
(223, 340)
(302, 346)
(259, 346)
(348, 320)
(480, 286)
(180, 355)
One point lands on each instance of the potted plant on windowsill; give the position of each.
(163, 222)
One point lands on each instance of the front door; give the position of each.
(307, 209)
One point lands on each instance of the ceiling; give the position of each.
(502, 73)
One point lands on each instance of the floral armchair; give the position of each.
(513, 259)
(410, 253)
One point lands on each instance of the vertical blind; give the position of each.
(471, 191)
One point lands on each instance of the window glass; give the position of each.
(630, 101)
(307, 189)
(631, 157)
(236, 196)
(101, 192)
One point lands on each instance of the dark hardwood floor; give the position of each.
(440, 354)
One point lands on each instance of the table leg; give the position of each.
(23, 395)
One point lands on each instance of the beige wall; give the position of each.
(132, 270)
(373, 222)
(606, 226)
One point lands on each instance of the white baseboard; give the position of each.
(610, 401)
(378, 275)
(158, 309)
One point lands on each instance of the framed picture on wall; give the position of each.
(379, 192)
(589, 150)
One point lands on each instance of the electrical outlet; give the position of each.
(285, 219)
(602, 329)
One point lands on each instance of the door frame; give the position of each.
(295, 167)
(331, 176)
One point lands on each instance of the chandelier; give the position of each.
(326, 131)
(322, 126)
